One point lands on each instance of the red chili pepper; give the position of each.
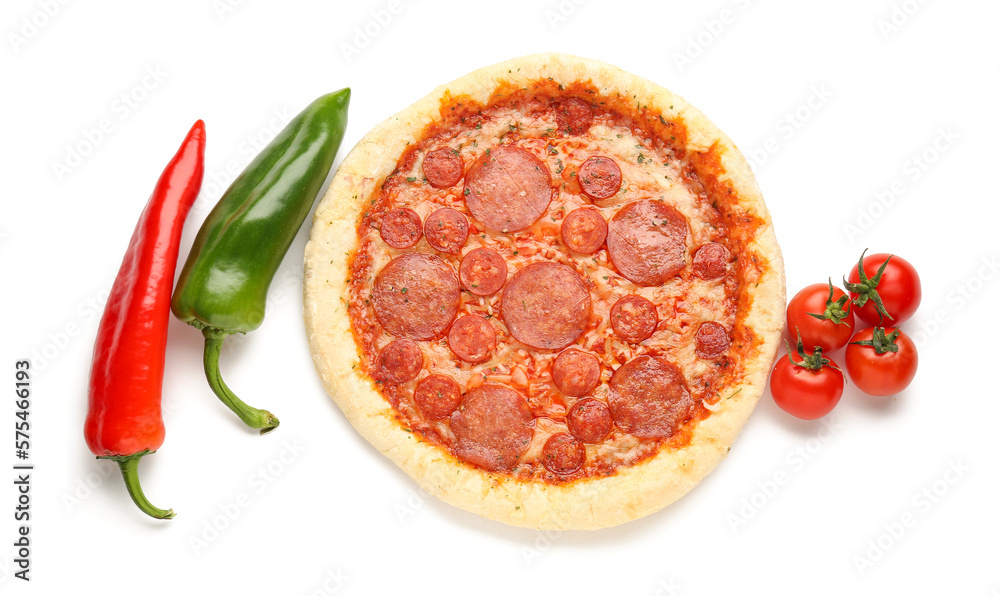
(124, 421)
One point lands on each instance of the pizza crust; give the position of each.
(583, 504)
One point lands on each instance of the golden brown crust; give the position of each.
(585, 504)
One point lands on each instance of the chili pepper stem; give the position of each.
(129, 465)
(252, 417)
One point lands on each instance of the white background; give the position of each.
(835, 103)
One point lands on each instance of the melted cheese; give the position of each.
(682, 303)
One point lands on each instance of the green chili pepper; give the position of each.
(223, 286)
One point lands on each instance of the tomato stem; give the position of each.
(814, 361)
(866, 288)
(834, 311)
(880, 342)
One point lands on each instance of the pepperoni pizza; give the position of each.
(549, 291)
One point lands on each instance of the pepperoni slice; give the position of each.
(633, 318)
(563, 454)
(589, 420)
(710, 261)
(646, 241)
(472, 338)
(399, 361)
(574, 116)
(584, 230)
(482, 271)
(576, 372)
(492, 427)
(508, 189)
(649, 398)
(437, 396)
(546, 305)
(446, 230)
(416, 296)
(443, 167)
(600, 177)
(400, 228)
(711, 340)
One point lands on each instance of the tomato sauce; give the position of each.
(649, 147)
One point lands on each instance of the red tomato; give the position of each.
(836, 324)
(803, 392)
(898, 289)
(887, 373)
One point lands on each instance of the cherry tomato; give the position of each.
(822, 314)
(806, 386)
(883, 365)
(897, 289)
